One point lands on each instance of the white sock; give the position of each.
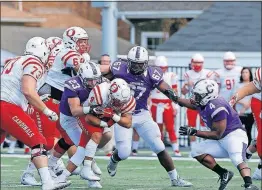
(173, 174)
(44, 174)
(12, 145)
(88, 162)
(135, 145)
(175, 147)
(52, 161)
(30, 168)
(91, 149)
(66, 173)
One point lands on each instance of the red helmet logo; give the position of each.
(114, 88)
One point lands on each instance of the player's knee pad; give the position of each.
(79, 156)
(62, 146)
(237, 158)
(38, 150)
(157, 145)
(124, 150)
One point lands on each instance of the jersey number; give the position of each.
(9, 65)
(116, 66)
(230, 83)
(141, 90)
(156, 75)
(74, 84)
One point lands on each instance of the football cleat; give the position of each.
(112, 167)
(257, 174)
(52, 173)
(88, 174)
(177, 153)
(154, 154)
(134, 152)
(94, 184)
(76, 171)
(59, 167)
(95, 168)
(180, 183)
(29, 179)
(225, 178)
(54, 185)
(250, 187)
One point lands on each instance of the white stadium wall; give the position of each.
(213, 60)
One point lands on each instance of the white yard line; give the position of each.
(130, 158)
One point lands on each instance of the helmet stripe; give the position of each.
(138, 52)
(93, 68)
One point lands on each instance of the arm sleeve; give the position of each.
(70, 93)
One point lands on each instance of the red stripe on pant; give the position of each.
(256, 109)
(17, 123)
(168, 119)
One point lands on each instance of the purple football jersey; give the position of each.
(73, 88)
(217, 110)
(141, 85)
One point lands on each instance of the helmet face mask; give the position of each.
(92, 82)
(197, 66)
(82, 46)
(229, 64)
(137, 68)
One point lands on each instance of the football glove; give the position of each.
(108, 112)
(96, 110)
(186, 130)
(50, 114)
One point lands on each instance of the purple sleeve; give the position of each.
(156, 76)
(69, 93)
(220, 115)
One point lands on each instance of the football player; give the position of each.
(226, 138)
(65, 65)
(228, 76)
(252, 88)
(74, 130)
(113, 104)
(46, 127)
(190, 78)
(21, 77)
(163, 109)
(142, 79)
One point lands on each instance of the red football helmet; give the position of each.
(197, 62)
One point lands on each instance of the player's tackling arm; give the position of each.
(167, 90)
(246, 90)
(29, 90)
(76, 109)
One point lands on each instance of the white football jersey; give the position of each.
(191, 77)
(227, 79)
(11, 78)
(100, 96)
(258, 81)
(171, 79)
(65, 58)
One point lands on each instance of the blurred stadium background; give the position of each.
(176, 30)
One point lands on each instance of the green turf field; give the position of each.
(131, 175)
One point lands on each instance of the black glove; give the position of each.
(96, 110)
(186, 130)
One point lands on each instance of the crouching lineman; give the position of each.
(19, 79)
(76, 91)
(227, 137)
(46, 127)
(112, 103)
(252, 88)
(142, 79)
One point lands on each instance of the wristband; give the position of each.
(103, 124)
(116, 118)
(86, 110)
